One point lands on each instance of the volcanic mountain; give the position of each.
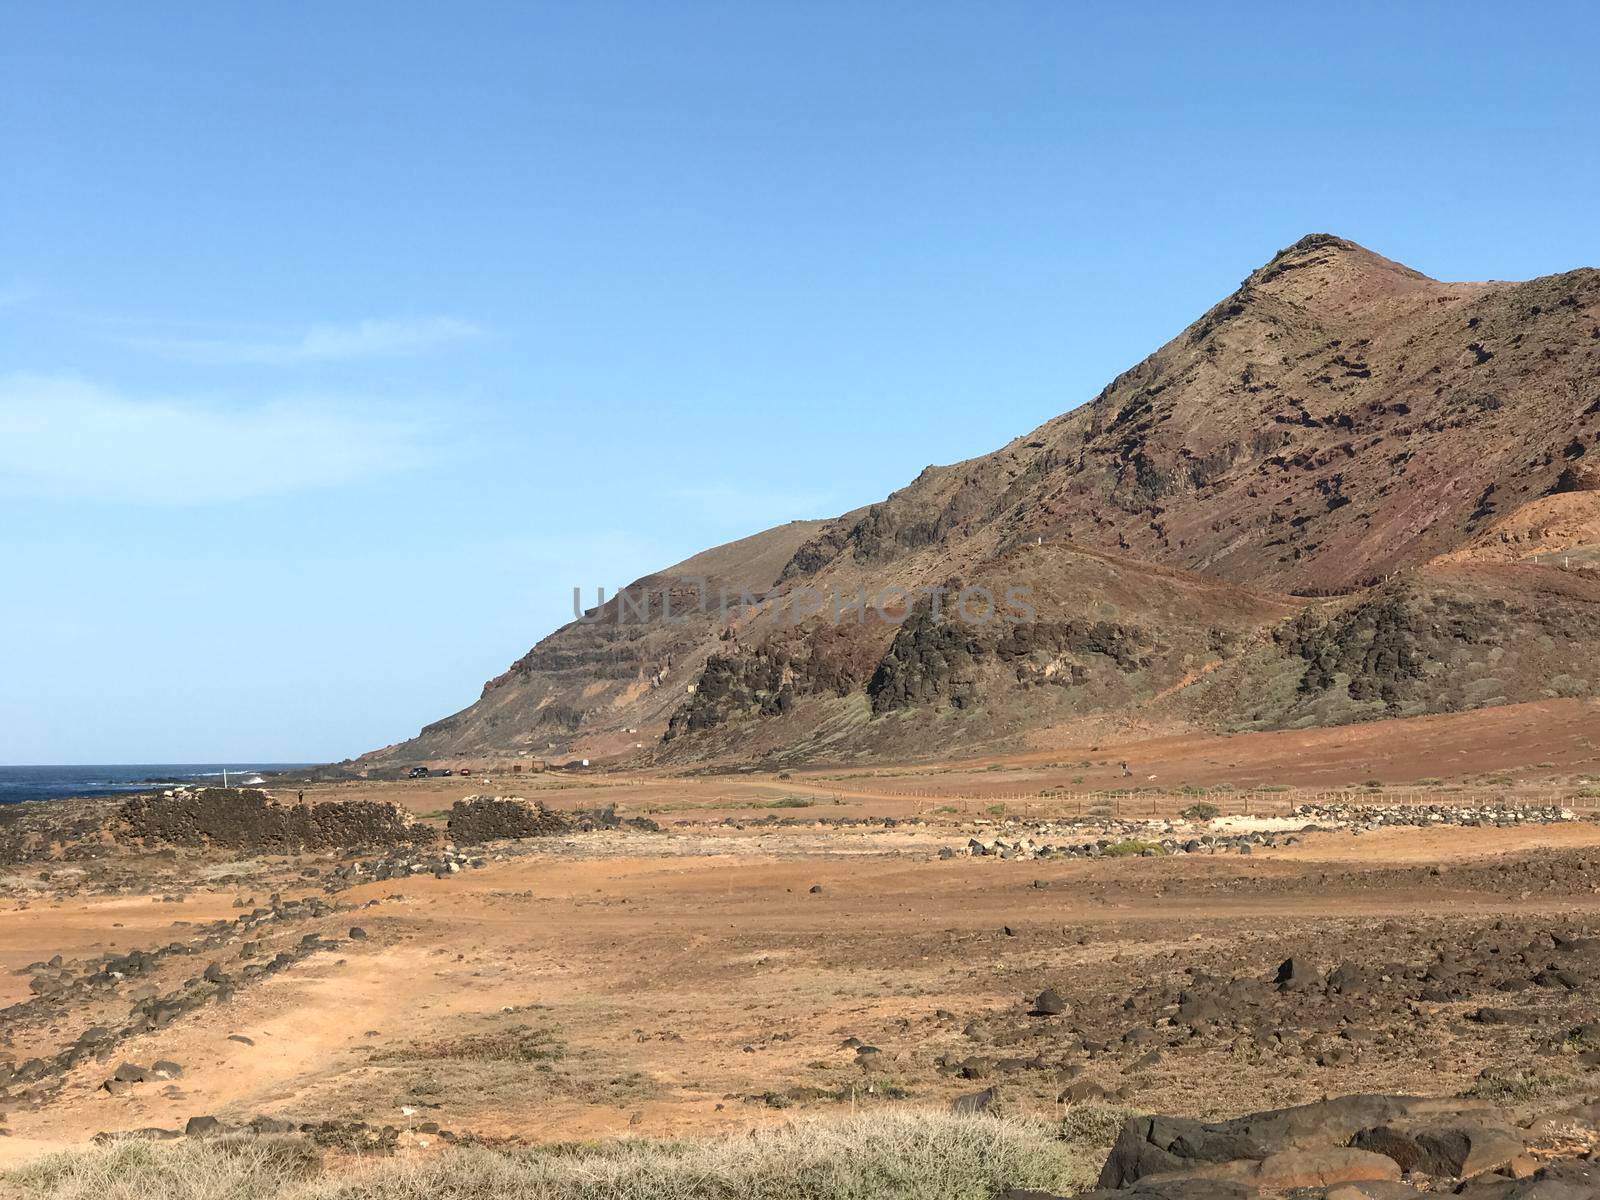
(1348, 491)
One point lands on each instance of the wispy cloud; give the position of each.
(64, 436)
(377, 338)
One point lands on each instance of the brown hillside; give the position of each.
(1335, 425)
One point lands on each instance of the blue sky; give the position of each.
(338, 342)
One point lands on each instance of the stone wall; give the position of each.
(246, 819)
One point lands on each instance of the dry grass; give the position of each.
(522, 1043)
(899, 1153)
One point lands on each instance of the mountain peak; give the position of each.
(1337, 419)
(1332, 258)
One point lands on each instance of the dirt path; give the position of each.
(676, 989)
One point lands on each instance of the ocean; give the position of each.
(52, 783)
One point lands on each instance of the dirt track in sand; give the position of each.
(681, 988)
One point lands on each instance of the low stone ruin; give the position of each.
(490, 818)
(478, 819)
(248, 819)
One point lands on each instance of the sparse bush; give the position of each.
(895, 1152)
(1517, 1085)
(522, 1044)
(1584, 1039)
(1201, 812)
(1131, 848)
(1095, 1126)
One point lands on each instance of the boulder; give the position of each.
(1165, 1145)
(1302, 1169)
(1373, 1189)
(1462, 1150)
(975, 1102)
(1081, 1091)
(1297, 974)
(1050, 1004)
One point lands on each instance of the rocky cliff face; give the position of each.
(1337, 418)
(1337, 422)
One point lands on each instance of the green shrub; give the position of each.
(1095, 1126)
(1132, 847)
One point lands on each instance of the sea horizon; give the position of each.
(59, 781)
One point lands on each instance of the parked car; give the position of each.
(417, 773)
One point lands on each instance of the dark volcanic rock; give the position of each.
(1351, 1148)
(245, 819)
(1050, 1004)
(974, 1102)
(489, 818)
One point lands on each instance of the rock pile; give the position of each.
(1504, 815)
(1502, 993)
(347, 1136)
(57, 985)
(1118, 837)
(1370, 1147)
(440, 863)
(1138, 843)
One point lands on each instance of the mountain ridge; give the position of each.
(1337, 420)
